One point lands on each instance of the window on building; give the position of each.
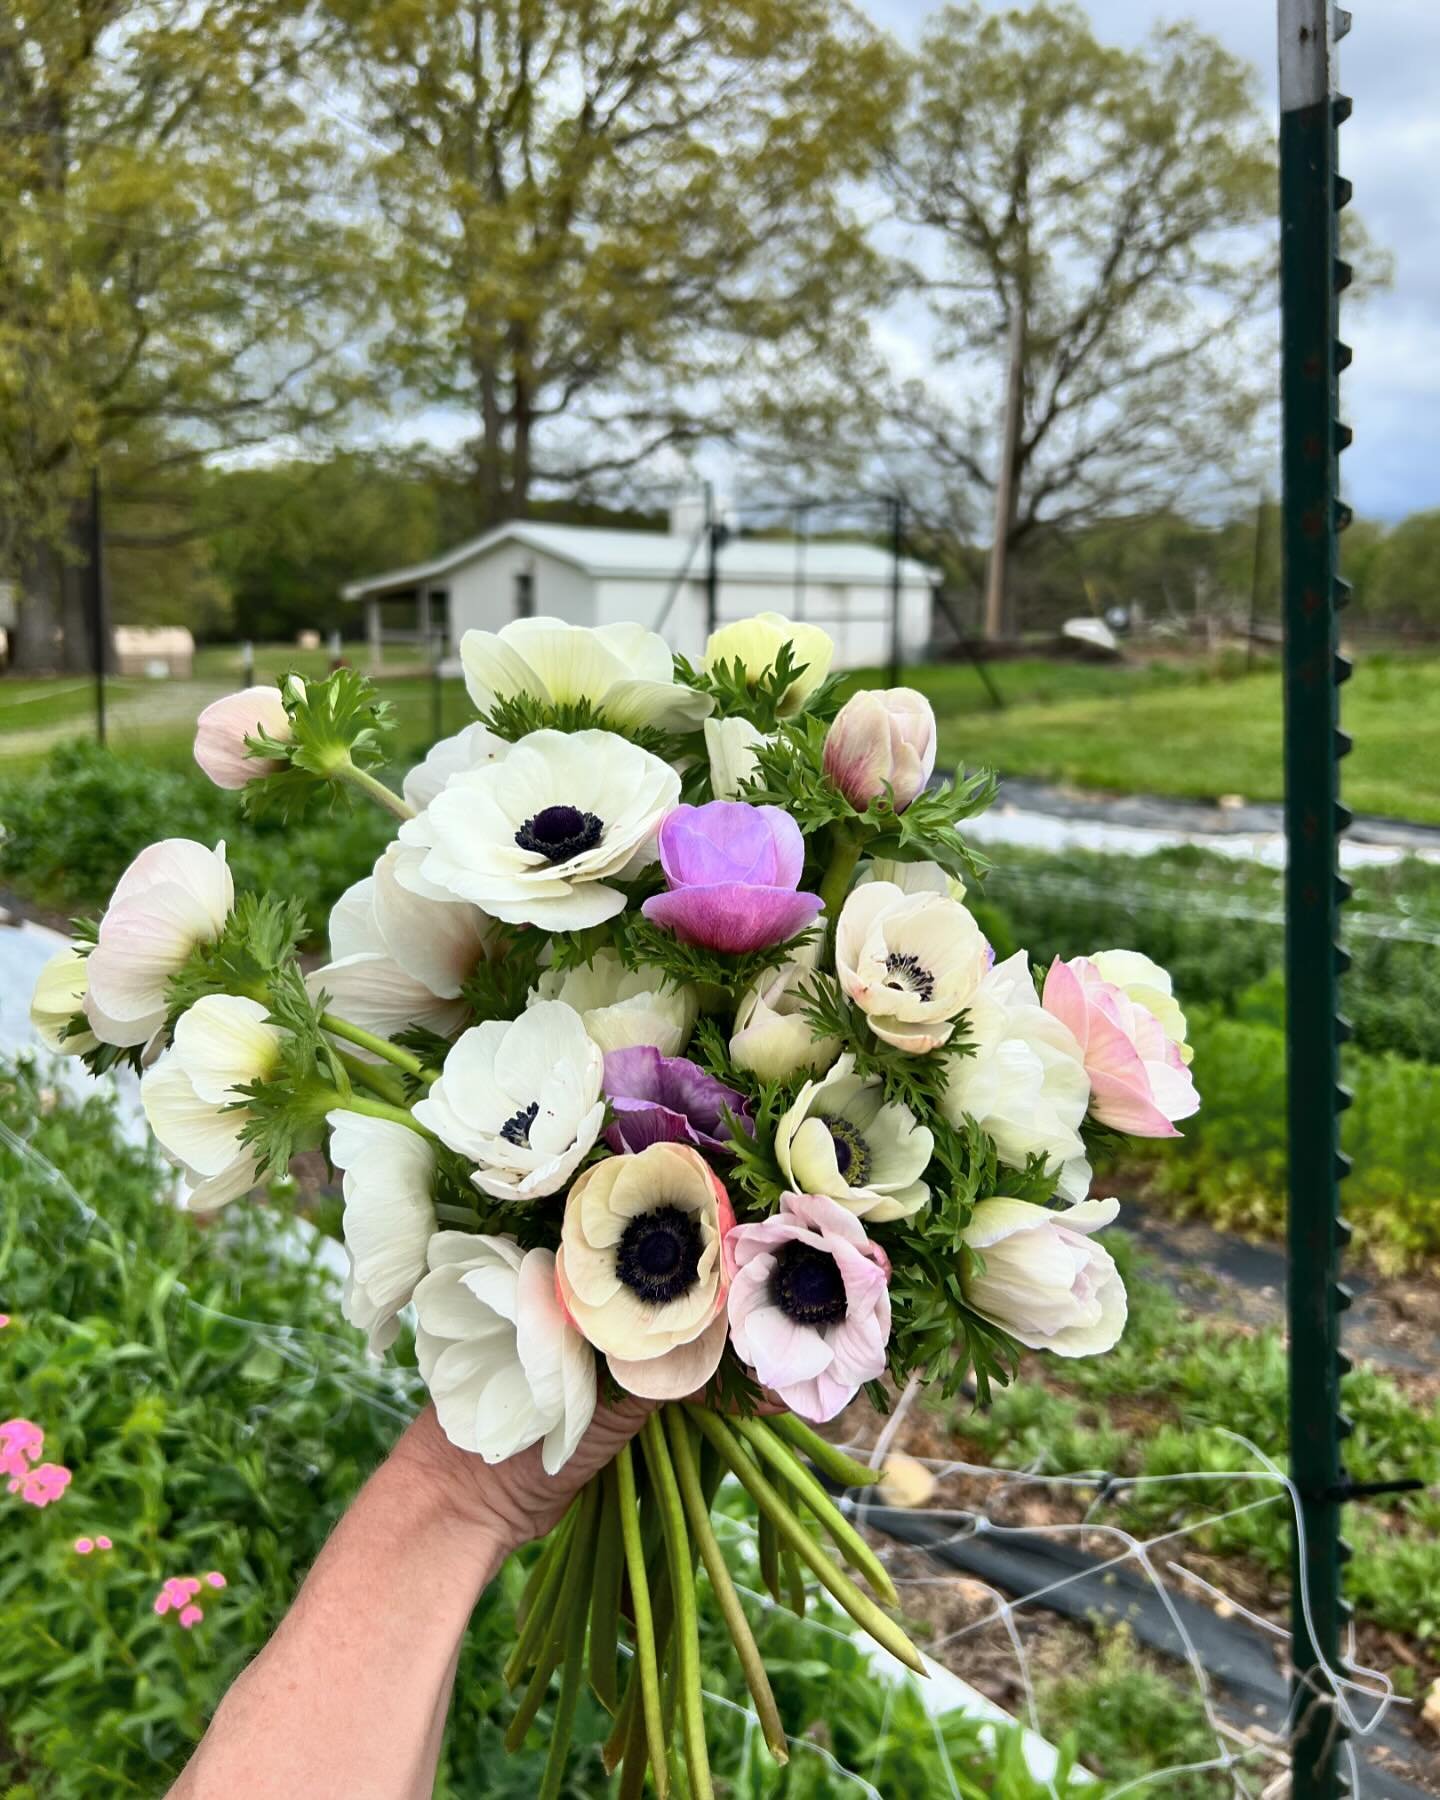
(524, 593)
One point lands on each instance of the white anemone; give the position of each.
(398, 958)
(842, 1138)
(175, 895)
(1041, 1278)
(504, 1366)
(59, 994)
(1025, 1084)
(535, 840)
(222, 1043)
(756, 643)
(731, 746)
(471, 748)
(389, 1174)
(772, 1037)
(521, 1100)
(910, 962)
(622, 1008)
(911, 877)
(625, 672)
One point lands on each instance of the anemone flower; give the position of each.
(842, 1138)
(732, 871)
(667, 1099)
(809, 1304)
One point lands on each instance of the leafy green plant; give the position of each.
(70, 831)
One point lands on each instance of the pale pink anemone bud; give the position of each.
(809, 1304)
(175, 895)
(221, 731)
(640, 1270)
(733, 872)
(1041, 1279)
(882, 739)
(1138, 1079)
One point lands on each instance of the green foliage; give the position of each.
(71, 830)
(760, 699)
(1404, 584)
(337, 725)
(514, 716)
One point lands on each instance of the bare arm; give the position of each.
(348, 1699)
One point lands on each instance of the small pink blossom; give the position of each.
(42, 1485)
(103, 1543)
(189, 1616)
(4, 1320)
(809, 1304)
(84, 1545)
(1139, 1081)
(177, 1595)
(215, 1579)
(20, 1445)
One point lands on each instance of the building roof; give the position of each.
(660, 556)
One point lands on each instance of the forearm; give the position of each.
(349, 1697)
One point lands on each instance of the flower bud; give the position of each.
(1040, 1277)
(773, 1038)
(60, 994)
(881, 738)
(221, 731)
(731, 745)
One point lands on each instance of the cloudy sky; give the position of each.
(1390, 149)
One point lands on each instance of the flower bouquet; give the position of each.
(662, 1057)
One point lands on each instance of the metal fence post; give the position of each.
(1311, 192)
(897, 554)
(99, 624)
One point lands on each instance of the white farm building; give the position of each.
(593, 575)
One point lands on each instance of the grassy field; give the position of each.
(1196, 729)
(1196, 732)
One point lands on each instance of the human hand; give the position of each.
(510, 1503)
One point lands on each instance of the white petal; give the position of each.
(196, 1131)
(223, 1042)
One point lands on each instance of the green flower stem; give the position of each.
(769, 1547)
(544, 1577)
(372, 1108)
(644, 1621)
(687, 1624)
(605, 1597)
(794, 1582)
(572, 1675)
(733, 1613)
(572, 1597)
(827, 1457)
(851, 1544)
(374, 790)
(377, 1046)
(835, 882)
(793, 1536)
(379, 1081)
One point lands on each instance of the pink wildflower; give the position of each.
(215, 1579)
(83, 1546)
(190, 1616)
(38, 1487)
(103, 1543)
(20, 1445)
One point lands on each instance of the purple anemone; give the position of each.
(667, 1099)
(733, 871)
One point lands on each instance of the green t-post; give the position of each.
(1312, 276)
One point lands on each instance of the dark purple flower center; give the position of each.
(559, 832)
(807, 1285)
(909, 975)
(658, 1258)
(516, 1130)
(852, 1153)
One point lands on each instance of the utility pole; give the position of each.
(1010, 428)
(713, 529)
(1311, 278)
(897, 553)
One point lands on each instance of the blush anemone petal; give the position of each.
(732, 917)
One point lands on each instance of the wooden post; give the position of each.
(1010, 427)
(372, 631)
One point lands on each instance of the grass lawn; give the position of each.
(1198, 733)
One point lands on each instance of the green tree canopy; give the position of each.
(614, 224)
(177, 275)
(1402, 583)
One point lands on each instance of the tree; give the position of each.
(614, 222)
(174, 276)
(1402, 584)
(1095, 214)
